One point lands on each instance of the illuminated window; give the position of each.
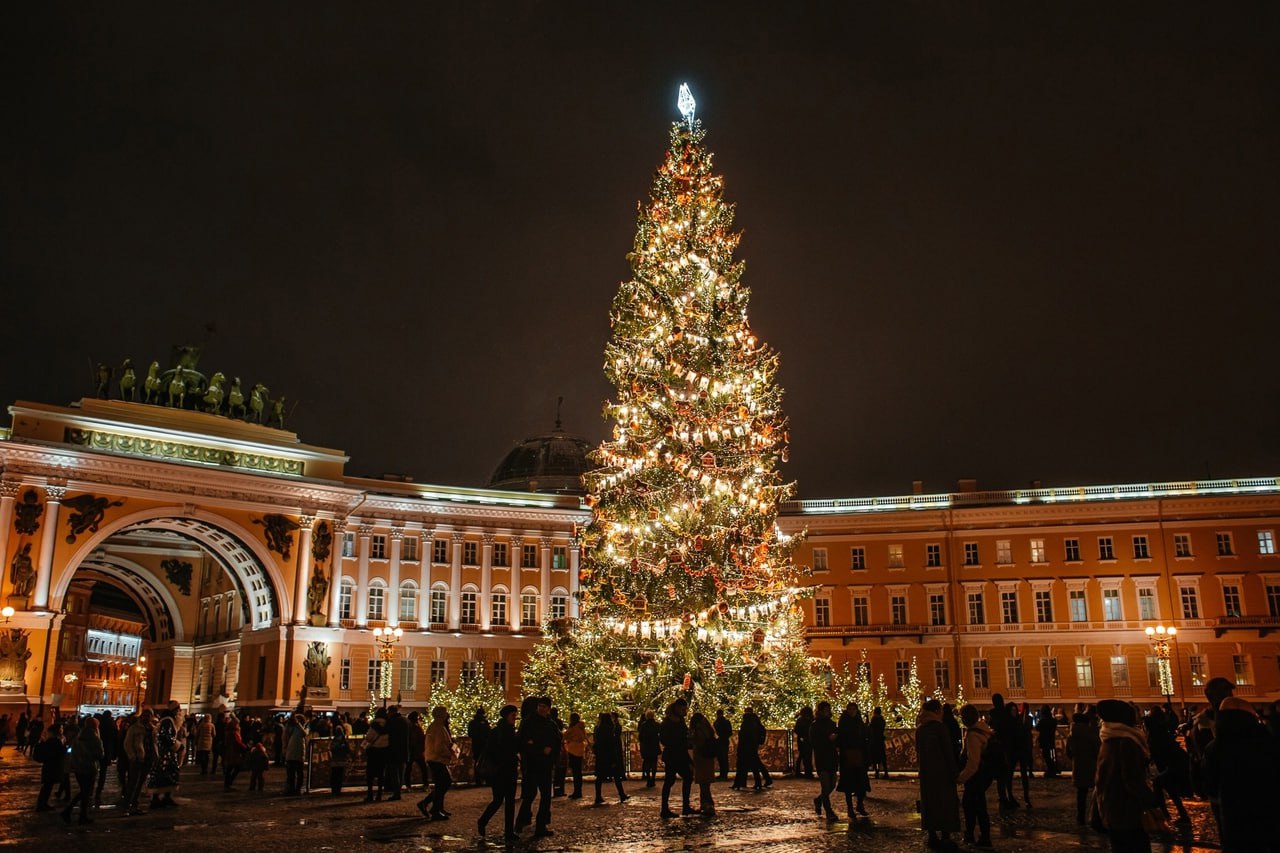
(1049, 672)
(1013, 672)
(1004, 552)
(1077, 606)
(1199, 670)
(1037, 551)
(1119, 671)
(1111, 609)
(1084, 672)
(559, 557)
(895, 557)
(1147, 603)
(1243, 670)
(408, 611)
(1266, 543)
(820, 559)
(348, 544)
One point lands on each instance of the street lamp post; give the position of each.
(1161, 639)
(386, 638)
(141, 668)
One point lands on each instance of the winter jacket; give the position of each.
(1123, 793)
(86, 753)
(439, 742)
(1243, 766)
(975, 741)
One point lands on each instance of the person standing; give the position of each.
(219, 738)
(478, 732)
(575, 747)
(1122, 789)
(234, 751)
(418, 752)
(1171, 777)
(650, 748)
(804, 750)
(603, 740)
(1047, 734)
(702, 740)
(1242, 765)
(826, 758)
(140, 744)
(398, 751)
(499, 759)
(1004, 728)
(561, 758)
(110, 750)
(168, 765)
(295, 752)
(675, 757)
(374, 746)
(86, 757)
(877, 751)
(724, 732)
(852, 737)
(439, 755)
(204, 743)
(975, 776)
(751, 735)
(1082, 748)
(50, 752)
(939, 805)
(540, 744)
(339, 757)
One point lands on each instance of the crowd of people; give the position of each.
(1127, 767)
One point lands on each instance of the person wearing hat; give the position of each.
(1123, 794)
(499, 763)
(540, 744)
(1242, 768)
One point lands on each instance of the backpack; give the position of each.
(993, 760)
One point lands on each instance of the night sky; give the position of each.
(1000, 241)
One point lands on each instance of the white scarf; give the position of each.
(1111, 731)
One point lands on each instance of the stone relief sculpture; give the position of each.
(321, 542)
(14, 655)
(279, 532)
(86, 514)
(316, 665)
(178, 572)
(26, 513)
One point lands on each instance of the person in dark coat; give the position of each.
(110, 749)
(976, 777)
(939, 803)
(804, 750)
(1122, 790)
(478, 730)
(675, 758)
(853, 736)
(826, 758)
(50, 751)
(724, 731)
(650, 748)
(502, 749)
(1082, 749)
(1242, 765)
(540, 745)
(1005, 727)
(877, 753)
(397, 756)
(953, 728)
(604, 741)
(1025, 747)
(1047, 740)
(751, 733)
(418, 752)
(1170, 761)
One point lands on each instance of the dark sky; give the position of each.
(1004, 241)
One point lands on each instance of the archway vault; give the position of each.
(154, 600)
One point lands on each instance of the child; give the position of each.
(258, 763)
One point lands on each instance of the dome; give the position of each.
(553, 463)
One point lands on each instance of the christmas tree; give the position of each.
(683, 563)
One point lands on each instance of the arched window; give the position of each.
(559, 603)
(377, 600)
(345, 592)
(408, 602)
(529, 607)
(439, 604)
(470, 608)
(498, 605)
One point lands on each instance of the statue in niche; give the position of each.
(151, 385)
(14, 655)
(235, 400)
(317, 591)
(22, 572)
(279, 532)
(86, 514)
(128, 381)
(26, 513)
(178, 573)
(316, 665)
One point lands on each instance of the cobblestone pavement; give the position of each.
(778, 819)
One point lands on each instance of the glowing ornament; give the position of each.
(671, 591)
(687, 682)
(719, 667)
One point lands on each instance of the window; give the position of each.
(1231, 600)
(822, 612)
(1004, 552)
(1199, 670)
(408, 609)
(1141, 548)
(971, 553)
(470, 607)
(1119, 671)
(440, 551)
(470, 553)
(1273, 599)
(1071, 548)
(500, 554)
(1044, 605)
(1049, 672)
(500, 673)
(559, 557)
(498, 608)
(471, 670)
(1147, 603)
(439, 606)
(895, 557)
(377, 602)
(1076, 604)
(1009, 606)
(1153, 671)
(977, 612)
(1106, 548)
(409, 549)
(937, 609)
(375, 667)
(1190, 602)
(1266, 543)
(1243, 671)
(942, 674)
(1013, 672)
(898, 609)
(1084, 672)
(820, 559)
(529, 610)
(439, 673)
(348, 544)
(933, 555)
(861, 611)
(981, 679)
(901, 674)
(409, 674)
(1182, 544)
(529, 557)
(1037, 551)
(559, 606)
(858, 557)
(344, 598)
(378, 547)
(344, 674)
(1111, 610)
(1224, 545)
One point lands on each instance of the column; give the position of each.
(393, 593)
(575, 558)
(486, 581)
(364, 535)
(424, 585)
(517, 583)
(48, 540)
(545, 552)
(8, 492)
(300, 615)
(455, 582)
(335, 572)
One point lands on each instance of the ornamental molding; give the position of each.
(113, 442)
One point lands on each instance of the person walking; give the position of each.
(939, 805)
(877, 751)
(702, 740)
(374, 746)
(975, 776)
(575, 746)
(397, 751)
(650, 748)
(499, 762)
(478, 731)
(540, 744)
(724, 732)
(339, 758)
(826, 758)
(86, 757)
(1047, 736)
(804, 750)
(751, 734)
(852, 737)
(234, 751)
(1242, 765)
(1171, 778)
(675, 757)
(603, 740)
(1123, 793)
(439, 754)
(50, 752)
(1082, 748)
